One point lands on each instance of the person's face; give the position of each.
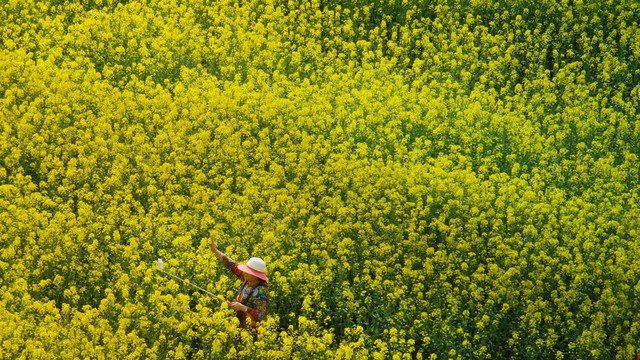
(250, 278)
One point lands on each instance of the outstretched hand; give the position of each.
(215, 250)
(238, 306)
(212, 244)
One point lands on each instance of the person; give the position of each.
(253, 296)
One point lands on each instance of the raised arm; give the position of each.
(227, 261)
(212, 246)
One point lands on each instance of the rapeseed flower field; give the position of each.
(424, 179)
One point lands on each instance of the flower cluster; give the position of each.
(429, 180)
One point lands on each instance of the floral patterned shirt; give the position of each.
(255, 298)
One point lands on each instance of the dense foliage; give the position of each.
(446, 179)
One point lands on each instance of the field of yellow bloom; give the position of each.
(447, 179)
